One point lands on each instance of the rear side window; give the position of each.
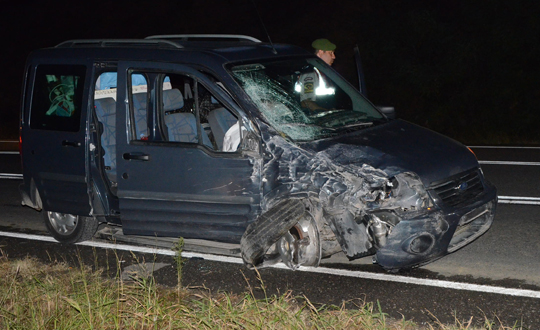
(57, 97)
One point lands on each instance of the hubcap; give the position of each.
(63, 224)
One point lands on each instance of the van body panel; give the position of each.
(171, 188)
(54, 148)
(184, 185)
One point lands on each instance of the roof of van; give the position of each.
(226, 47)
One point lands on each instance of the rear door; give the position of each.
(174, 179)
(53, 137)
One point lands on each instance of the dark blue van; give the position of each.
(207, 137)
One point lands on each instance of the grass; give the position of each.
(34, 295)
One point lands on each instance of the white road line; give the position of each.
(9, 152)
(427, 282)
(11, 176)
(319, 270)
(504, 162)
(519, 200)
(502, 147)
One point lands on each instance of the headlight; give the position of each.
(408, 193)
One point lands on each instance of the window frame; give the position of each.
(158, 134)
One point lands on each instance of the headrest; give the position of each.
(105, 106)
(172, 99)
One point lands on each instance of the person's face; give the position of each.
(327, 55)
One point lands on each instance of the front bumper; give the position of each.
(420, 240)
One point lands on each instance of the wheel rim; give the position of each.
(300, 246)
(62, 223)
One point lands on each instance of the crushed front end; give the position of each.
(364, 211)
(368, 185)
(462, 209)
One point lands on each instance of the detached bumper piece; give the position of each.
(421, 240)
(472, 225)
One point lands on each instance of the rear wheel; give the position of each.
(69, 228)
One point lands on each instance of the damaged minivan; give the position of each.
(210, 137)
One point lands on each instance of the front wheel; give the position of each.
(287, 232)
(301, 245)
(69, 228)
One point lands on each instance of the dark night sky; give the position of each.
(467, 68)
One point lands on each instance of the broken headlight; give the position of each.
(405, 198)
(407, 193)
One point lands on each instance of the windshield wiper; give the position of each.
(353, 127)
(308, 125)
(320, 132)
(363, 124)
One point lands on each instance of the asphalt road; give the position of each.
(507, 256)
(514, 171)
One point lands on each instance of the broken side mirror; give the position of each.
(389, 112)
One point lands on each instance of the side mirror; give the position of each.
(389, 112)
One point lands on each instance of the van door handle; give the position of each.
(67, 143)
(136, 156)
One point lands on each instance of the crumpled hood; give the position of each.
(398, 146)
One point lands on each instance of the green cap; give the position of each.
(323, 44)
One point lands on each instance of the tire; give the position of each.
(269, 227)
(68, 228)
(301, 245)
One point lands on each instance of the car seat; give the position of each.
(139, 112)
(181, 126)
(106, 113)
(220, 121)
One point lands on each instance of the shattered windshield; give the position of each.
(304, 99)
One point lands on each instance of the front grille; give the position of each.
(459, 189)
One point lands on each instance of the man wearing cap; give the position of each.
(314, 85)
(325, 50)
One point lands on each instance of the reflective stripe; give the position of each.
(322, 89)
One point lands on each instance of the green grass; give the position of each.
(35, 295)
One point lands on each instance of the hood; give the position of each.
(398, 146)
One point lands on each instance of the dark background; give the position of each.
(466, 68)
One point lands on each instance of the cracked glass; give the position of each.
(304, 99)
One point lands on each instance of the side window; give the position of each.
(57, 97)
(106, 85)
(219, 122)
(105, 109)
(178, 112)
(139, 100)
(186, 112)
(191, 114)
